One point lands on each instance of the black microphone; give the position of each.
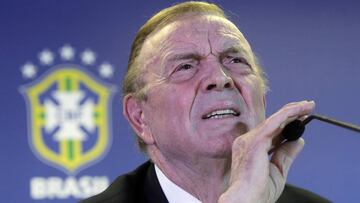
(295, 129)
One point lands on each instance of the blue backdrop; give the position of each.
(309, 49)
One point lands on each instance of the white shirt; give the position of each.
(174, 193)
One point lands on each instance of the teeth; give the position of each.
(221, 113)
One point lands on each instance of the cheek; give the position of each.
(169, 106)
(168, 115)
(253, 94)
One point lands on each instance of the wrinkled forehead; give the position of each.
(203, 34)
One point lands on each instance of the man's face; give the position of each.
(203, 87)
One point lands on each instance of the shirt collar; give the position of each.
(173, 193)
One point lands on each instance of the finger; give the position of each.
(285, 155)
(276, 122)
(276, 183)
(294, 111)
(272, 127)
(276, 142)
(280, 164)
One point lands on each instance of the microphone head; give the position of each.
(293, 130)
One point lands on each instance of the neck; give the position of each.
(204, 178)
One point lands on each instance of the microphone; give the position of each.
(296, 128)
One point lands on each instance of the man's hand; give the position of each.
(255, 177)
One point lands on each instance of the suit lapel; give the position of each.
(152, 188)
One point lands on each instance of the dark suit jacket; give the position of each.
(142, 186)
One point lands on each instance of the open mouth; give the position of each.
(222, 113)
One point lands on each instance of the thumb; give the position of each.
(280, 164)
(284, 156)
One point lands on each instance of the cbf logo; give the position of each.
(68, 108)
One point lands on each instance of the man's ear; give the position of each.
(133, 112)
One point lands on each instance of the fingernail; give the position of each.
(282, 125)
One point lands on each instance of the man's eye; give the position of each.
(183, 67)
(183, 72)
(238, 60)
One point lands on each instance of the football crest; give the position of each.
(68, 117)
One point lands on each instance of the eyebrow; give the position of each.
(234, 50)
(185, 56)
(197, 57)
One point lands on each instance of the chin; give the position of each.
(219, 146)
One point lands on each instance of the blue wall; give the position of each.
(309, 49)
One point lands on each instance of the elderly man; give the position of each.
(195, 97)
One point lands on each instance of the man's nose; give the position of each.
(218, 80)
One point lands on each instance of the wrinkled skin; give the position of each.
(192, 67)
